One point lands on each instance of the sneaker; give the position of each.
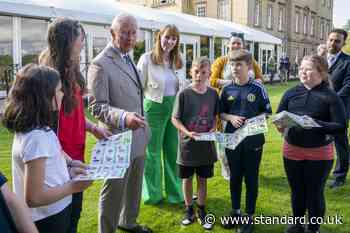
(201, 213)
(189, 216)
(232, 222)
(246, 227)
(295, 228)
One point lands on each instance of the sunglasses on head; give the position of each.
(237, 34)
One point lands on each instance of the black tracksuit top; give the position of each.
(320, 103)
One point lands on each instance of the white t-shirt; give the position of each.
(170, 82)
(40, 143)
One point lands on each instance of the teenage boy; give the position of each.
(195, 111)
(243, 99)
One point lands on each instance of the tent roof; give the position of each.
(91, 13)
(103, 12)
(224, 28)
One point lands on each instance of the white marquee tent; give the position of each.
(97, 16)
(103, 11)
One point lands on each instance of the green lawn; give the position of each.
(274, 194)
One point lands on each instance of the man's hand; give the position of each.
(134, 121)
(236, 121)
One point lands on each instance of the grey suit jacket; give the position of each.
(114, 89)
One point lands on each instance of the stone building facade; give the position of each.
(301, 24)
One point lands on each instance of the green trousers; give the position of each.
(161, 155)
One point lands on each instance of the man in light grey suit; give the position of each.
(117, 97)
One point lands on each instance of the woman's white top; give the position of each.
(40, 143)
(170, 82)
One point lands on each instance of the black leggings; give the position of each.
(58, 223)
(307, 181)
(244, 162)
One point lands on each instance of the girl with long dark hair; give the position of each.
(65, 42)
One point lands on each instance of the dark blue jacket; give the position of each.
(340, 77)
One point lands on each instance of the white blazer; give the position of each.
(153, 77)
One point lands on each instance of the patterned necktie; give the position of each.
(127, 59)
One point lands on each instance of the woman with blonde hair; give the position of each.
(161, 69)
(308, 153)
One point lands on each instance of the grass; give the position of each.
(274, 193)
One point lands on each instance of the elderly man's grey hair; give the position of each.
(122, 19)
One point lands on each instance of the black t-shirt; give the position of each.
(6, 223)
(197, 112)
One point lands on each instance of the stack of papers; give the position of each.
(286, 119)
(110, 158)
(252, 126)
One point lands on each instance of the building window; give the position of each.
(140, 45)
(161, 2)
(312, 26)
(297, 21)
(280, 19)
(98, 44)
(224, 10)
(6, 44)
(188, 4)
(322, 34)
(157, 3)
(257, 11)
(305, 23)
(304, 52)
(217, 47)
(330, 3)
(201, 9)
(269, 16)
(6, 40)
(33, 39)
(328, 28)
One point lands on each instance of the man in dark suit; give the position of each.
(339, 71)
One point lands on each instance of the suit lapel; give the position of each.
(125, 68)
